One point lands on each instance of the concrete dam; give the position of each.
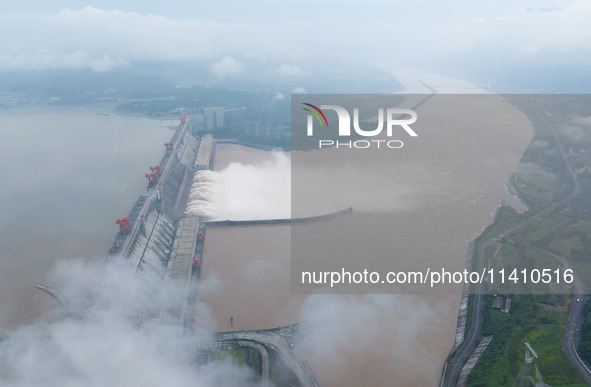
(163, 247)
(155, 239)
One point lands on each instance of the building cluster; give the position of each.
(208, 118)
(498, 303)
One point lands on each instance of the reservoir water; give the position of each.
(67, 174)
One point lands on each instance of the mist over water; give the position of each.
(378, 340)
(107, 348)
(243, 191)
(68, 174)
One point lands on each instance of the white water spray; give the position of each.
(243, 191)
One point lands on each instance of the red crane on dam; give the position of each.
(169, 146)
(123, 225)
(152, 178)
(156, 170)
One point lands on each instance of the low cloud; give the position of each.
(279, 96)
(286, 69)
(104, 39)
(227, 67)
(103, 345)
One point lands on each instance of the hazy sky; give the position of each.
(287, 36)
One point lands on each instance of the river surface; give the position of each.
(441, 202)
(67, 174)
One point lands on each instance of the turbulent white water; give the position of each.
(243, 191)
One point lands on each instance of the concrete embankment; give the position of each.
(471, 362)
(463, 309)
(277, 221)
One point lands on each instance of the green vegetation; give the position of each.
(542, 189)
(273, 136)
(539, 318)
(541, 232)
(85, 86)
(234, 354)
(504, 218)
(573, 240)
(173, 101)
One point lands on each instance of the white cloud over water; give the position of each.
(106, 347)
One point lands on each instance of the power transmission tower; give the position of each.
(524, 378)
